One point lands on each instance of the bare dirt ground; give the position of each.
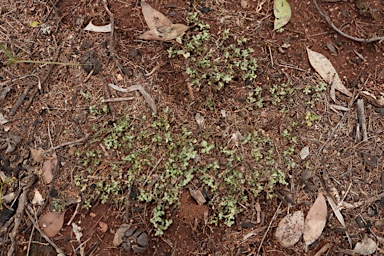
(118, 162)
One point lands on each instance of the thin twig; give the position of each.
(269, 227)
(118, 99)
(20, 100)
(58, 250)
(68, 144)
(330, 23)
(18, 217)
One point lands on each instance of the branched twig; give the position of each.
(330, 23)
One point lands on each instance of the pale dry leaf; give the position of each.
(244, 3)
(377, 100)
(37, 198)
(118, 238)
(9, 197)
(326, 70)
(3, 120)
(290, 229)
(282, 12)
(365, 247)
(37, 154)
(51, 223)
(153, 18)
(147, 97)
(339, 216)
(316, 219)
(100, 29)
(197, 195)
(165, 33)
(304, 152)
(200, 120)
(48, 167)
(77, 231)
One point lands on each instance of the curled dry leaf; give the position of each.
(377, 100)
(48, 167)
(290, 229)
(197, 195)
(101, 29)
(37, 154)
(77, 231)
(365, 247)
(165, 33)
(282, 12)
(51, 223)
(326, 70)
(37, 198)
(153, 18)
(118, 238)
(316, 219)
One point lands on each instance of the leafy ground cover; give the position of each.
(201, 144)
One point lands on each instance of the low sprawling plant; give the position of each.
(158, 159)
(214, 60)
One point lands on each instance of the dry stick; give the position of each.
(360, 203)
(269, 227)
(68, 143)
(330, 23)
(20, 100)
(58, 250)
(361, 118)
(107, 94)
(42, 82)
(30, 241)
(111, 46)
(109, 100)
(18, 216)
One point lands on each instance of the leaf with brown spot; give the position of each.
(165, 33)
(51, 223)
(153, 18)
(290, 229)
(316, 219)
(48, 167)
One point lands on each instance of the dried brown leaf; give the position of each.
(165, 33)
(316, 219)
(326, 70)
(153, 18)
(48, 167)
(290, 229)
(197, 195)
(51, 223)
(103, 226)
(37, 154)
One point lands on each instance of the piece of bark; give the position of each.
(361, 118)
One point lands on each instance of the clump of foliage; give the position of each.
(215, 61)
(158, 159)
